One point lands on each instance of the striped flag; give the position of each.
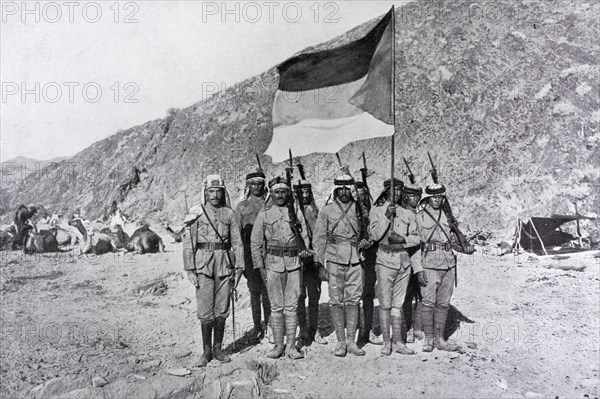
(330, 98)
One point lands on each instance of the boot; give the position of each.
(351, 326)
(291, 322)
(440, 316)
(418, 321)
(384, 321)
(278, 332)
(206, 327)
(427, 319)
(257, 332)
(313, 322)
(337, 317)
(398, 344)
(219, 333)
(367, 335)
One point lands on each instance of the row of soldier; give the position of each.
(396, 251)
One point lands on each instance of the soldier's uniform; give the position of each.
(393, 269)
(274, 248)
(207, 256)
(439, 263)
(412, 315)
(337, 239)
(311, 283)
(246, 212)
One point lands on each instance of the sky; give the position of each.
(76, 72)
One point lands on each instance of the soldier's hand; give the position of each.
(191, 275)
(323, 273)
(364, 244)
(422, 278)
(305, 254)
(390, 211)
(395, 238)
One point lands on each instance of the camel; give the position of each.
(120, 238)
(175, 234)
(39, 243)
(144, 240)
(96, 243)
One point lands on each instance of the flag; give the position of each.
(330, 98)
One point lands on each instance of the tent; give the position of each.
(538, 234)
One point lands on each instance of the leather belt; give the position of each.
(339, 240)
(436, 246)
(213, 246)
(281, 251)
(392, 248)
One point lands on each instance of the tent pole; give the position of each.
(538, 236)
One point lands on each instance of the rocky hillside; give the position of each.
(504, 95)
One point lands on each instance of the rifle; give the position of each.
(258, 162)
(294, 222)
(363, 221)
(452, 222)
(301, 206)
(411, 175)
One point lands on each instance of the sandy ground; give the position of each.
(528, 331)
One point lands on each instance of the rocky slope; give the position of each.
(504, 95)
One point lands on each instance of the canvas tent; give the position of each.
(541, 234)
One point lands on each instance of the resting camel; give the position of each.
(144, 240)
(120, 238)
(175, 234)
(39, 243)
(97, 243)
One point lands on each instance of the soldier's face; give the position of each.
(306, 196)
(398, 194)
(436, 201)
(413, 199)
(344, 194)
(280, 196)
(257, 188)
(362, 195)
(215, 196)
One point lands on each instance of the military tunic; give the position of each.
(336, 239)
(437, 257)
(203, 254)
(273, 246)
(393, 265)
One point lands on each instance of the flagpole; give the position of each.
(393, 111)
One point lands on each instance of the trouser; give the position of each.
(436, 301)
(212, 297)
(284, 291)
(345, 283)
(258, 294)
(311, 286)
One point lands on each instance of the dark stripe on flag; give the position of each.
(337, 66)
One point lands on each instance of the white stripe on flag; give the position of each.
(324, 135)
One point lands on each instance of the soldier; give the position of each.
(393, 265)
(337, 241)
(210, 250)
(280, 266)
(439, 263)
(311, 282)
(411, 197)
(366, 333)
(246, 212)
